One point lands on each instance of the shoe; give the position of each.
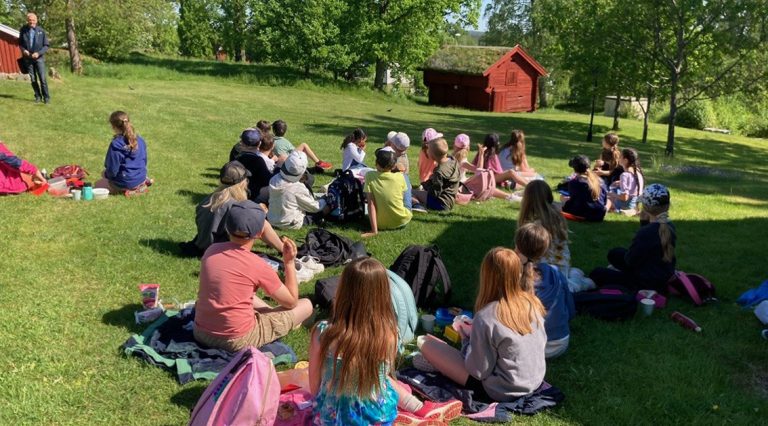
(418, 208)
(46, 101)
(140, 190)
(312, 263)
(38, 100)
(441, 411)
(514, 198)
(421, 363)
(410, 419)
(324, 165)
(303, 273)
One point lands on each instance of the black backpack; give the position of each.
(612, 303)
(422, 268)
(346, 198)
(331, 249)
(325, 291)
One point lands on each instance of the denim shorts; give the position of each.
(434, 203)
(631, 203)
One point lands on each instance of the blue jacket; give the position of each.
(581, 202)
(557, 299)
(123, 167)
(41, 41)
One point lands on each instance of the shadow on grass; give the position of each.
(187, 397)
(194, 197)
(164, 246)
(123, 317)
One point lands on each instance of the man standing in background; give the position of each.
(33, 43)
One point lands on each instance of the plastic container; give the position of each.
(100, 193)
(445, 316)
(58, 187)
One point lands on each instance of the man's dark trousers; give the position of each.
(36, 71)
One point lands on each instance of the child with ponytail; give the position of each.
(650, 261)
(502, 359)
(586, 192)
(531, 243)
(538, 206)
(608, 167)
(352, 358)
(623, 193)
(125, 166)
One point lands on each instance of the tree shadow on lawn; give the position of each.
(194, 197)
(165, 246)
(187, 397)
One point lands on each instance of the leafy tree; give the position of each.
(234, 25)
(196, 33)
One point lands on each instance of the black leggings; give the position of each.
(622, 276)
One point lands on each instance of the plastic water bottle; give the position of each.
(87, 192)
(685, 322)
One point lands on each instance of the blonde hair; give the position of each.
(537, 205)
(438, 148)
(363, 329)
(593, 181)
(460, 154)
(501, 281)
(226, 193)
(120, 121)
(665, 230)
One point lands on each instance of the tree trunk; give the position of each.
(380, 79)
(670, 150)
(616, 113)
(75, 64)
(647, 113)
(542, 89)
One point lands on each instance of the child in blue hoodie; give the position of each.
(551, 286)
(125, 166)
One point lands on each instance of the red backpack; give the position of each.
(69, 171)
(693, 287)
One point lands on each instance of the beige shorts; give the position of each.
(270, 326)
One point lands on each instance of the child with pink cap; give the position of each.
(426, 165)
(461, 146)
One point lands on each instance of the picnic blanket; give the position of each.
(168, 342)
(436, 387)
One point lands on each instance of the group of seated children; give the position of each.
(612, 185)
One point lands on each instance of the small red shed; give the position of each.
(485, 78)
(9, 50)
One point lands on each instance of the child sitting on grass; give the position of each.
(502, 359)
(352, 358)
(426, 164)
(461, 147)
(262, 126)
(261, 167)
(291, 204)
(125, 166)
(586, 192)
(283, 147)
(400, 142)
(488, 158)
(531, 243)
(17, 175)
(608, 167)
(650, 260)
(439, 191)
(353, 147)
(623, 193)
(538, 205)
(385, 190)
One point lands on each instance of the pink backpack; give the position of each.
(246, 392)
(479, 187)
(693, 287)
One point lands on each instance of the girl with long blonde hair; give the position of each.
(352, 356)
(503, 356)
(587, 194)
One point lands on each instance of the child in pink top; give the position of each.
(17, 175)
(488, 154)
(426, 165)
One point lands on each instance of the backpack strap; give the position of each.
(421, 271)
(690, 289)
(443, 273)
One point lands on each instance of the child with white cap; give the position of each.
(291, 204)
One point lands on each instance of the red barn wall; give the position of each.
(9, 52)
(514, 86)
(467, 91)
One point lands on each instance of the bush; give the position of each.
(695, 115)
(733, 113)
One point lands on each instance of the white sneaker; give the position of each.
(303, 273)
(312, 263)
(422, 364)
(514, 198)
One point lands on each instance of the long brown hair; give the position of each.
(611, 155)
(501, 281)
(517, 145)
(537, 205)
(363, 330)
(532, 241)
(120, 121)
(593, 181)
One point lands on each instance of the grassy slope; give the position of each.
(70, 270)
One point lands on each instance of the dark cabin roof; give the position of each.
(475, 60)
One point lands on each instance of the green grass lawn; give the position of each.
(70, 270)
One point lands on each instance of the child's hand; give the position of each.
(480, 148)
(599, 164)
(289, 250)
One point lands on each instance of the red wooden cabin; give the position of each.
(9, 50)
(483, 78)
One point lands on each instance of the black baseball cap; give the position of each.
(245, 219)
(580, 163)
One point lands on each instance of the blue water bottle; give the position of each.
(87, 191)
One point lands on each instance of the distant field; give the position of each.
(69, 271)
